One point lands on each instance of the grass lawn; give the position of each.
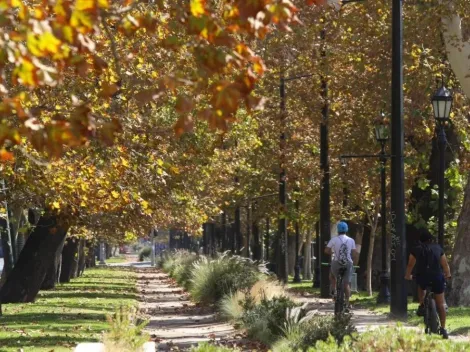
(116, 260)
(302, 287)
(72, 313)
(458, 318)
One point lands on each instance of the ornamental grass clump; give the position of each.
(212, 279)
(231, 305)
(303, 329)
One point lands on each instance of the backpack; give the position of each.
(343, 252)
(428, 262)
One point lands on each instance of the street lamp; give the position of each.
(442, 104)
(382, 134)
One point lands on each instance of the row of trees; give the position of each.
(94, 91)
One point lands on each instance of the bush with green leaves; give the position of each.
(265, 321)
(391, 339)
(212, 279)
(303, 332)
(145, 253)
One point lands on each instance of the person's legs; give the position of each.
(333, 274)
(421, 295)
(347, 281)
(441, 309)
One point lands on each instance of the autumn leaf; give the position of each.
(197, 7)
(6, 155)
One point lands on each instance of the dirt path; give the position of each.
(176, 322)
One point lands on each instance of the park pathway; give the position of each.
(176, 323)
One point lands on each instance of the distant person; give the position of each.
(432, 270)
(343, 248)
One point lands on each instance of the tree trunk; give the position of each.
(69, 259)
(307, 270)
(8, 258)
(81, 256)
(291, 253)
(25, 280)
(458, 48)
(257, 246)
(53, 273)
(370, 255)
(90, 261)
(460, 292)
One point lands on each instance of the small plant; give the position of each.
(303, 332)
(265, 321)
(145, 253)
(126, 333)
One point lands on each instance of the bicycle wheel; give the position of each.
(433, 318)
(339, 303)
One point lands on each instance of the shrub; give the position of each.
(304, 333)
(265, 321)
(182, 269)
(207, 347)
(391, 339)
(211, 279)
(126, 332)
(231, 305)
(145, 253)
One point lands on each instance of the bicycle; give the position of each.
(340, 302)
(431, 318)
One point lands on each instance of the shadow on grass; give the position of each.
(43, 341)
(91, 295)
(97, 287)
(45, 319)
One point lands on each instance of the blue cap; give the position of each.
(342, 227)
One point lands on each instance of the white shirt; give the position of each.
(336, 242)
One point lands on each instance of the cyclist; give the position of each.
(343, 247)
(430, 262)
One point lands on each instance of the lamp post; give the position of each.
(441, 104)
(382, 136)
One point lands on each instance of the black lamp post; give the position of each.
(442, 104)
(382, 134)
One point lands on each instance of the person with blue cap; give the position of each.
(343, 248)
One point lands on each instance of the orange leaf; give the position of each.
(6, 155)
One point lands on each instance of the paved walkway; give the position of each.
(175, 321)
(363, 319)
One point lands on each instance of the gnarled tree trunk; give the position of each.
(460, 293)
(26, 278)
(69, 259)
(53, 273)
